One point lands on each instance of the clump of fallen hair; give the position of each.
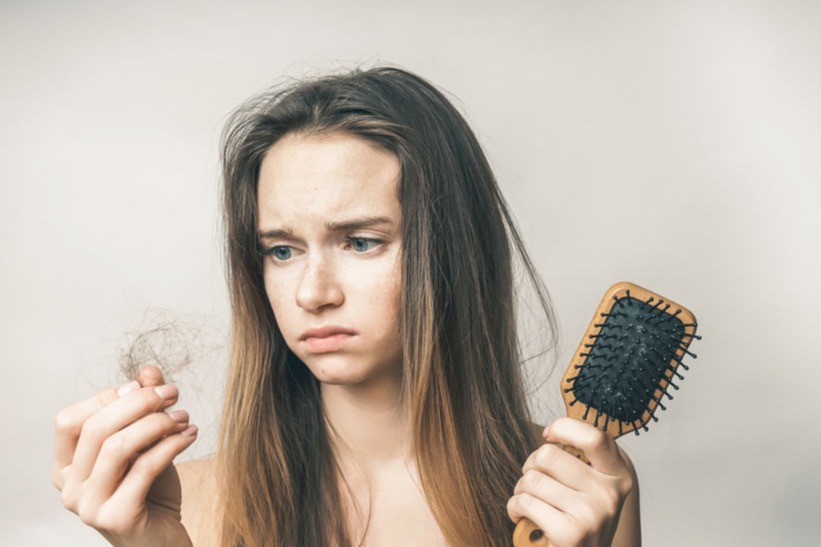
(168, 341)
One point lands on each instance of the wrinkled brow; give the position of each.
(287, 232)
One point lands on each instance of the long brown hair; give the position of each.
(462, 384)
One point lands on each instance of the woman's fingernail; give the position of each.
(167, 391)
(126, 388)
(179, 416)
(191, 431)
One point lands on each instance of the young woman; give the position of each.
(374, 394)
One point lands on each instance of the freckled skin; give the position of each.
(318, 277)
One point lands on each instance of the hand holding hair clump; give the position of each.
(113, 452)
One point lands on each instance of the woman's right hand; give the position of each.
(112, 462)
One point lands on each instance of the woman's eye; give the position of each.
(362, 244)
(280, 252)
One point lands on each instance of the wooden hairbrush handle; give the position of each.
(527, 533)
(625, 363)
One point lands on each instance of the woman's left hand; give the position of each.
(577, 505)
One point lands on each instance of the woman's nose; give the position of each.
(319, 288)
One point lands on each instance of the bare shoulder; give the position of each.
(196, 477)
(626, 457)
(200, 501)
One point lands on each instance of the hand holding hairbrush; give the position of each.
(625, 365)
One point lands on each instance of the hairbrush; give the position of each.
(624, 367)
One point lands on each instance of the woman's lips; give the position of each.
(326, 339)
(326, 344)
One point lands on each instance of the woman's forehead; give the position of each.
(334, 177)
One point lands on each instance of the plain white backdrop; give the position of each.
(674, 144)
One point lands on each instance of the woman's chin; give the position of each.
(342, 372)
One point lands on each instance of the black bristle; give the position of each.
(637, 348)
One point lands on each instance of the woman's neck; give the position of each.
(367, 422)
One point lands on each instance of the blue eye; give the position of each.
(362, 244)
(279, 252)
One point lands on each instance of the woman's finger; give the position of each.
(543, 515)
(600, 449)
(547, 489)
(111, 419)
(122, 448)
(150, 376)
(69, 423)
(150, 464)
(555, 462)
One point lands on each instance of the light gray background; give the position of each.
(673, 144)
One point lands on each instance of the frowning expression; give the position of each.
(329, 223)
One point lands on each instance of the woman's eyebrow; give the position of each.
(286, 232)
(358, 224)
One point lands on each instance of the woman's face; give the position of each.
(330, 226)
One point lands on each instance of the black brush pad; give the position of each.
(628, 359)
